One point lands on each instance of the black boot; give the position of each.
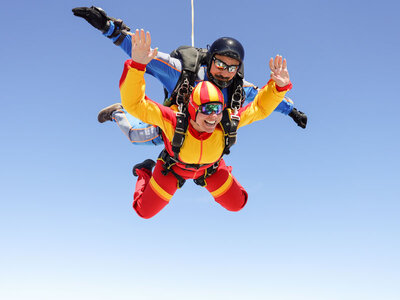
(299, 117)
(106, 113)
(98, 18)
(148, 164)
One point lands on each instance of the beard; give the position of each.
(221, 81)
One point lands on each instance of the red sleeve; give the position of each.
(287, 87)
(128, 65)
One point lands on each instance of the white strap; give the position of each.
(192, 24)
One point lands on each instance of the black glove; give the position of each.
(299, 117)
(96, 16)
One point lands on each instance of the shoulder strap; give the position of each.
(182, 122)
(230, 125)
(236, 93)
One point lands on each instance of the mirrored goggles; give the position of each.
(209, 108)
(223, 66)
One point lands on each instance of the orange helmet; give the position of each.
(204, 92)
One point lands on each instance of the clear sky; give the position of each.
(322, 220)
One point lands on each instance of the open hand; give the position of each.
(279, 72)
(141, 51)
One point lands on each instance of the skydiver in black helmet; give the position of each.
(222, 64)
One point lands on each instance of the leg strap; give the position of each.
(168, 163)
(209, 171)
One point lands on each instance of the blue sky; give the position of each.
(322, 220)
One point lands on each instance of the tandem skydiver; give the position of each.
(200, 155)
(222, 64)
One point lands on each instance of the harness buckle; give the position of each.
(237, 98)
(207, 173)
(169, 161)
(183, 93)
(235, 115)
(180, 114)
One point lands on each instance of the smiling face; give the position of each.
(205, 107)
(206, 123)
(222, 74)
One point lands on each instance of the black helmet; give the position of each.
(228, 47)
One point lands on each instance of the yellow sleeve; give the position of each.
(267, 99)
(134, 100)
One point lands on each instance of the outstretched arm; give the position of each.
(132, 86)
(165, 68)
(278, 74)
(269, 97)
(286, 106)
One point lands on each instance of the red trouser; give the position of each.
(153, 191)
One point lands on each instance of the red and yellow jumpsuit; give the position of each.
(154, 190)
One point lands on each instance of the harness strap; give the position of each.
(181, 93)
(237, 98)
(208, 172)
(183, 90)
(191, 59)
(230, 124)
(182, 123)
(168, 163)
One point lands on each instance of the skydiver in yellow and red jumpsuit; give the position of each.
(204, 142)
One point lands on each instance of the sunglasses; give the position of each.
(209, 108)
(223, 66)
